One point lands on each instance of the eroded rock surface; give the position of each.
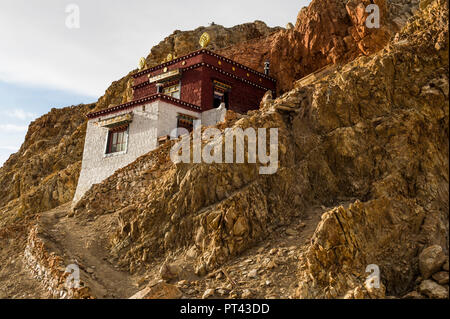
(362, 177)
(375, 129)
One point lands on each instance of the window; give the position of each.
(218, 98)
(186, 122)
(221, 94)
(173, 91)
(117, 140)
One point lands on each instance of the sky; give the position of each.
(56, 53)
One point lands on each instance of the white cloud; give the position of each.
(19, 114)
(12, 128)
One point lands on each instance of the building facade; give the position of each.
(166, 99)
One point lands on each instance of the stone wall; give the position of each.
(49, 269)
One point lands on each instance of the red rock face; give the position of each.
(326, 32)
(368, 40)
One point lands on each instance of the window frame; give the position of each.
(111, 133)
(185, 118)
(224, 89)
(171, 92)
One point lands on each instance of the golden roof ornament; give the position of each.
(141, 63)
(169, 57)
(204, 40)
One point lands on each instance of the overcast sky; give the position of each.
(45, 64)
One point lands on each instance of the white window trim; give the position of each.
(107, 155)
(179, 90)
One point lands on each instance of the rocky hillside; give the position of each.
(293, 52)
(363, 176)
(385, 119)
(42, 175)
(44, 172)
(369, 143)
(326, 33)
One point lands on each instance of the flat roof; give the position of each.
(195, 53)
(215, 68)
(145, 100)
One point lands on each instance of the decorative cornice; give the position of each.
(200, 64)
(195, 53)
(145, 100)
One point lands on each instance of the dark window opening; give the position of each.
(117, 140)
(221, 94)
(217, 99)
(185, 122)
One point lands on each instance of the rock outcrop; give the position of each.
(326, 33)
(395, 144)
(366, 141)
(373, 132)
(431, 260)
(43, 174)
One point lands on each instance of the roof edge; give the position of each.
(145, 100)
(195, 53)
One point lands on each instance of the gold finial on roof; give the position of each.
(169, 57)
(204, 40)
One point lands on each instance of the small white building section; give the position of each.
(117, 139)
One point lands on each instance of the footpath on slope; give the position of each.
(268, 270)
(84, 243)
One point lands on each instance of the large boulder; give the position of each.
(433, 290)
(160, 290)
(169, 272)
(441, 277)
(431, 260)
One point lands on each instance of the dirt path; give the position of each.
(267, 270)
(84, 243)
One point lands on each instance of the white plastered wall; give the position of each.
(149, 122)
